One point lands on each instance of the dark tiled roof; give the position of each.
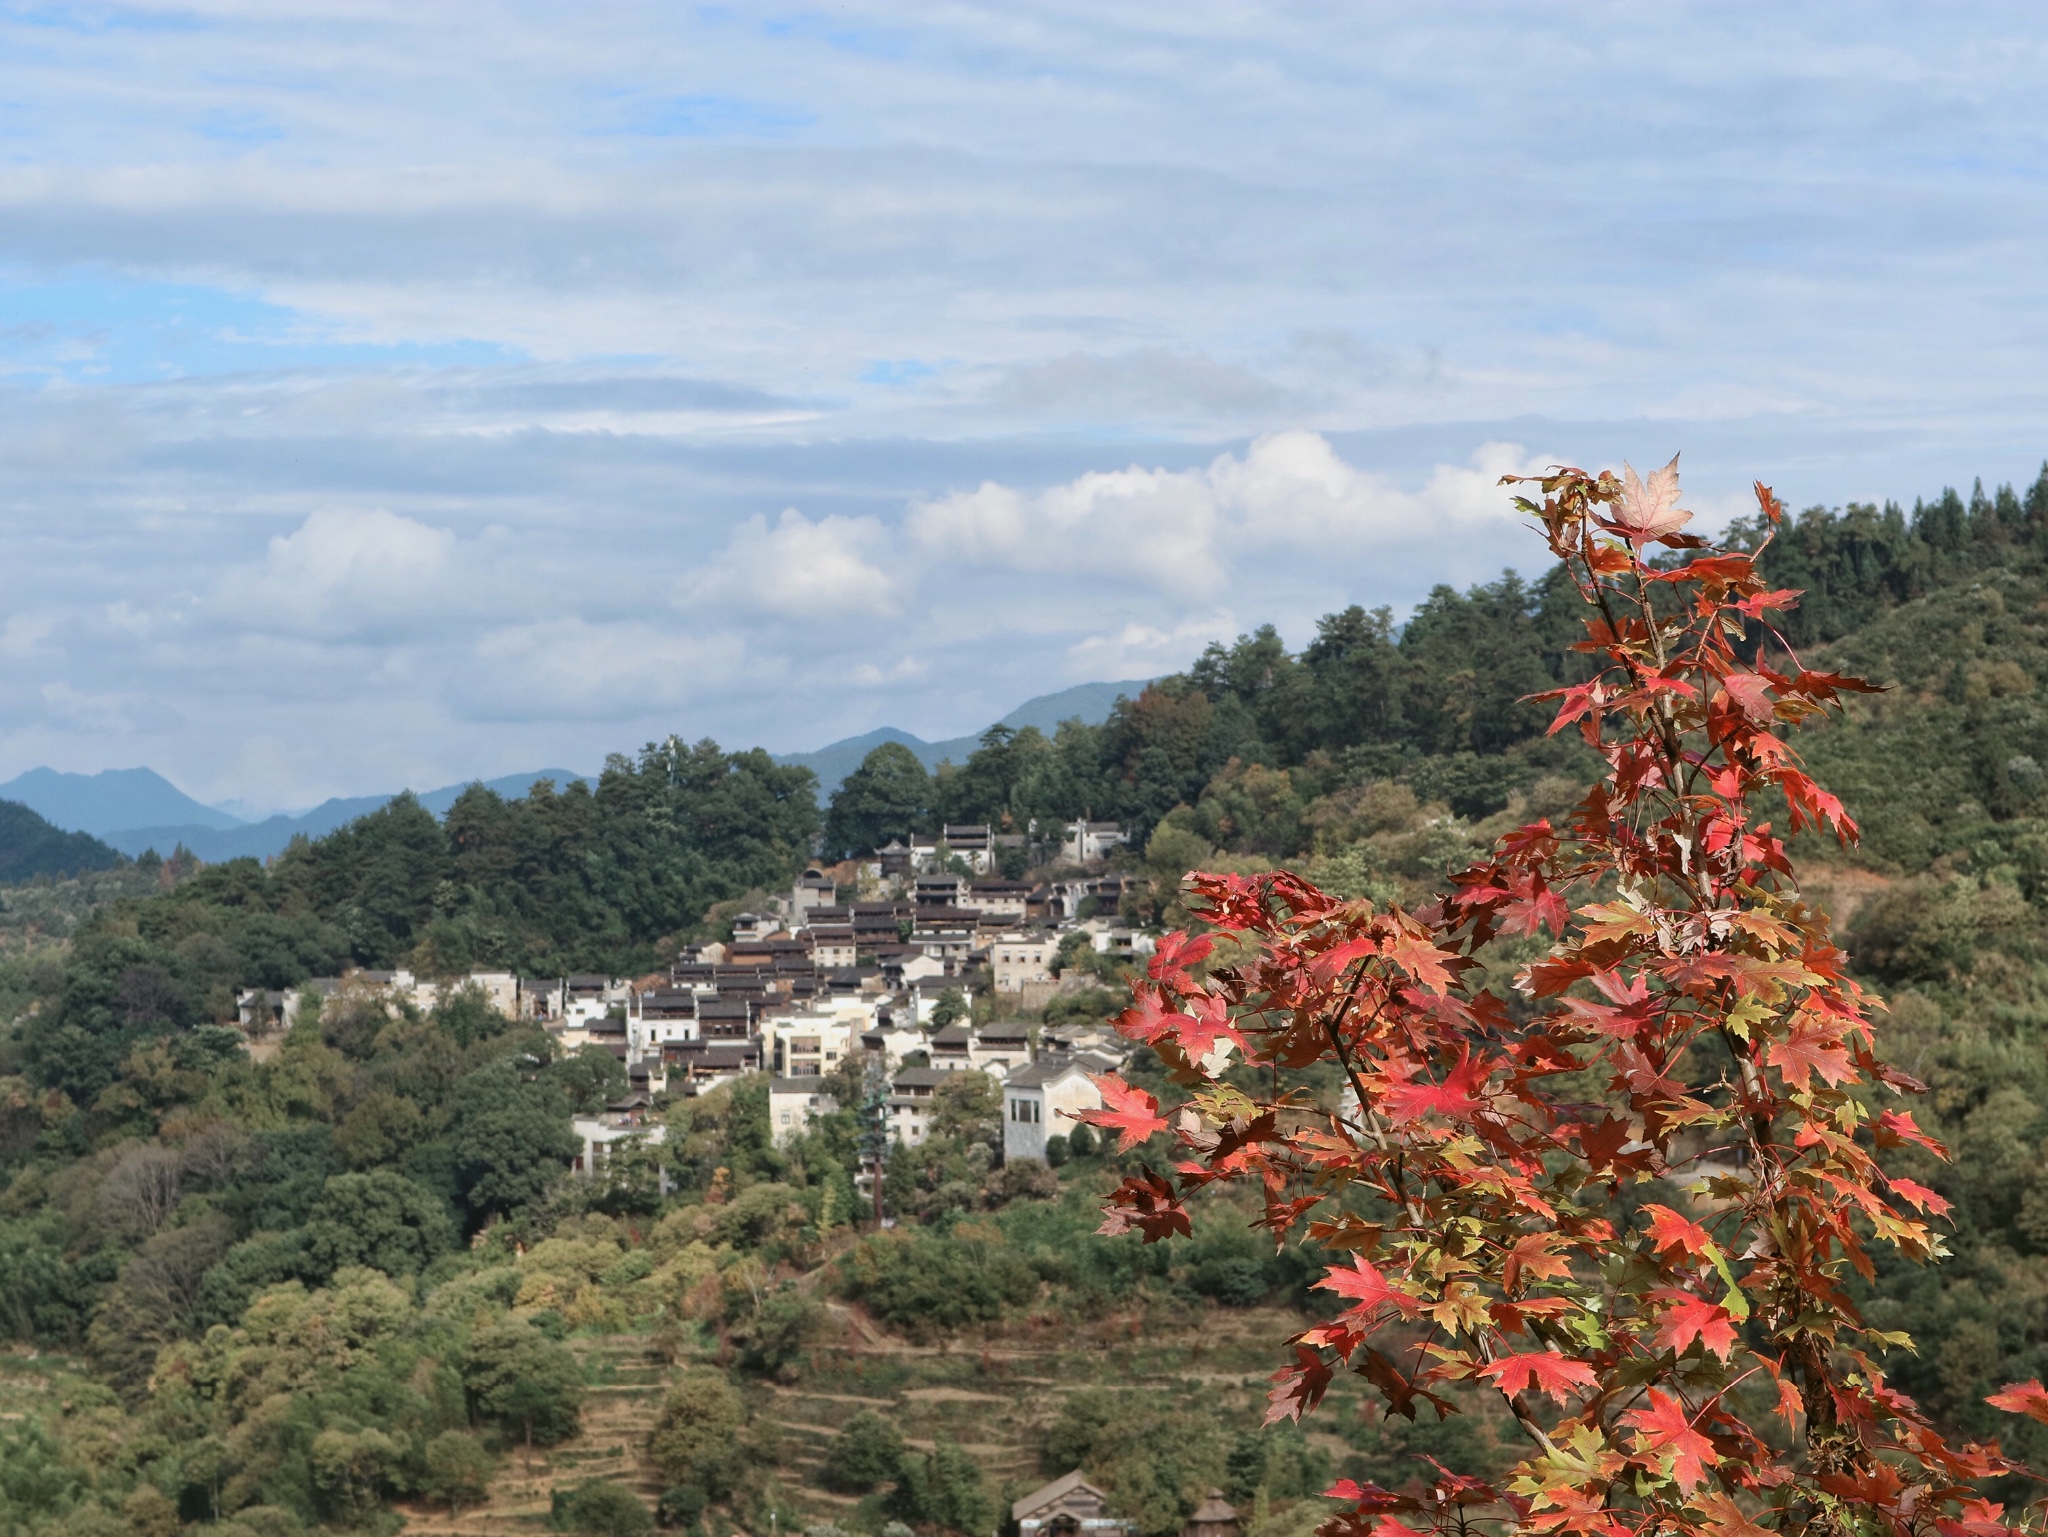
(1042, 1072)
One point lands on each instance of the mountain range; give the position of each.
(137, 809)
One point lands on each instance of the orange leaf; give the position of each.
(1546, 1370)
(1531, 1257)
(1132, 1114)
(1421, 960)
(1919, 1195)
(2028, 1398)
(1725, 1517)
(1665, 1431)
(1368, 1287)
(1806, 1052)
(1695, 1318)
(1670, 1231)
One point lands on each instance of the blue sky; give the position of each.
(395, 393)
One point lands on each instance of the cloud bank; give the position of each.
(392, 393)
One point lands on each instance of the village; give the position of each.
(896, 978)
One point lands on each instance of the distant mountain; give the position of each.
(30, 846)
(110, 800)
(1089, 702)
(271, 836)
(133, 810)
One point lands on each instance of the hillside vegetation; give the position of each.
(251, 1297)
(30, 848)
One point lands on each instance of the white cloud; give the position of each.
(1143, 650)
(594, 670)
(343, 570)
(1183, 530)
(799, 569)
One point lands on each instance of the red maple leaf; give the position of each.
(1177, 952)
(1757, 602)
(1132, 1114)
(1197, 1030)
(1365, 1284)
(2028, 1398)
(1751, 695)
(1421, 960)
(1670, 1231)
(1896, 1127)
(1665, 1432)
(1541, 906)
(1546, 1370)
(1146, 1203)
(1532, 1256)
(1694, 1318)
(1808, 1051)
(1923, 1198)
(1454, 1097)
(1297, 1389)
(1976, 1518)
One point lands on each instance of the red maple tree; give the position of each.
(1688, 1019)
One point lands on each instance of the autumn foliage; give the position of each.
(1672, 1010)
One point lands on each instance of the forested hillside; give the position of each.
(31, 847)
(289, 1292)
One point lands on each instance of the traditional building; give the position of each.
(1068, 1507)
(1214, 1517)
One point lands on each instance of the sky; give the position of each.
(392, 394)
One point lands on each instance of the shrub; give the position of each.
(929, 1283)
(867, 1451)
(600, 1508)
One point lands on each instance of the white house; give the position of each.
(970, 842)
(657, 1017)
(1001, 899)
(792, 1102)
(994, 1048)
(1086, 842)
(805, 1042)
(893, 1041)
(832, 946)
(910, 1103)
(602, 1133)
(1017, 958)
(926, 991)
(1038, 1101)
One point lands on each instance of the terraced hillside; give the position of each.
(994, 1395)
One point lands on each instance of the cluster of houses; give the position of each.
(804, 987)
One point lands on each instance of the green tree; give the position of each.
(512, 1137)
(944, 1489)
(601, 1508)
(457, 1469)
(868, 1451)
(590, 1078)
(694, 1442)
(379, 1219)
(518, 1377)
(888, 796)
(353, 1469)
(968, 1106)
